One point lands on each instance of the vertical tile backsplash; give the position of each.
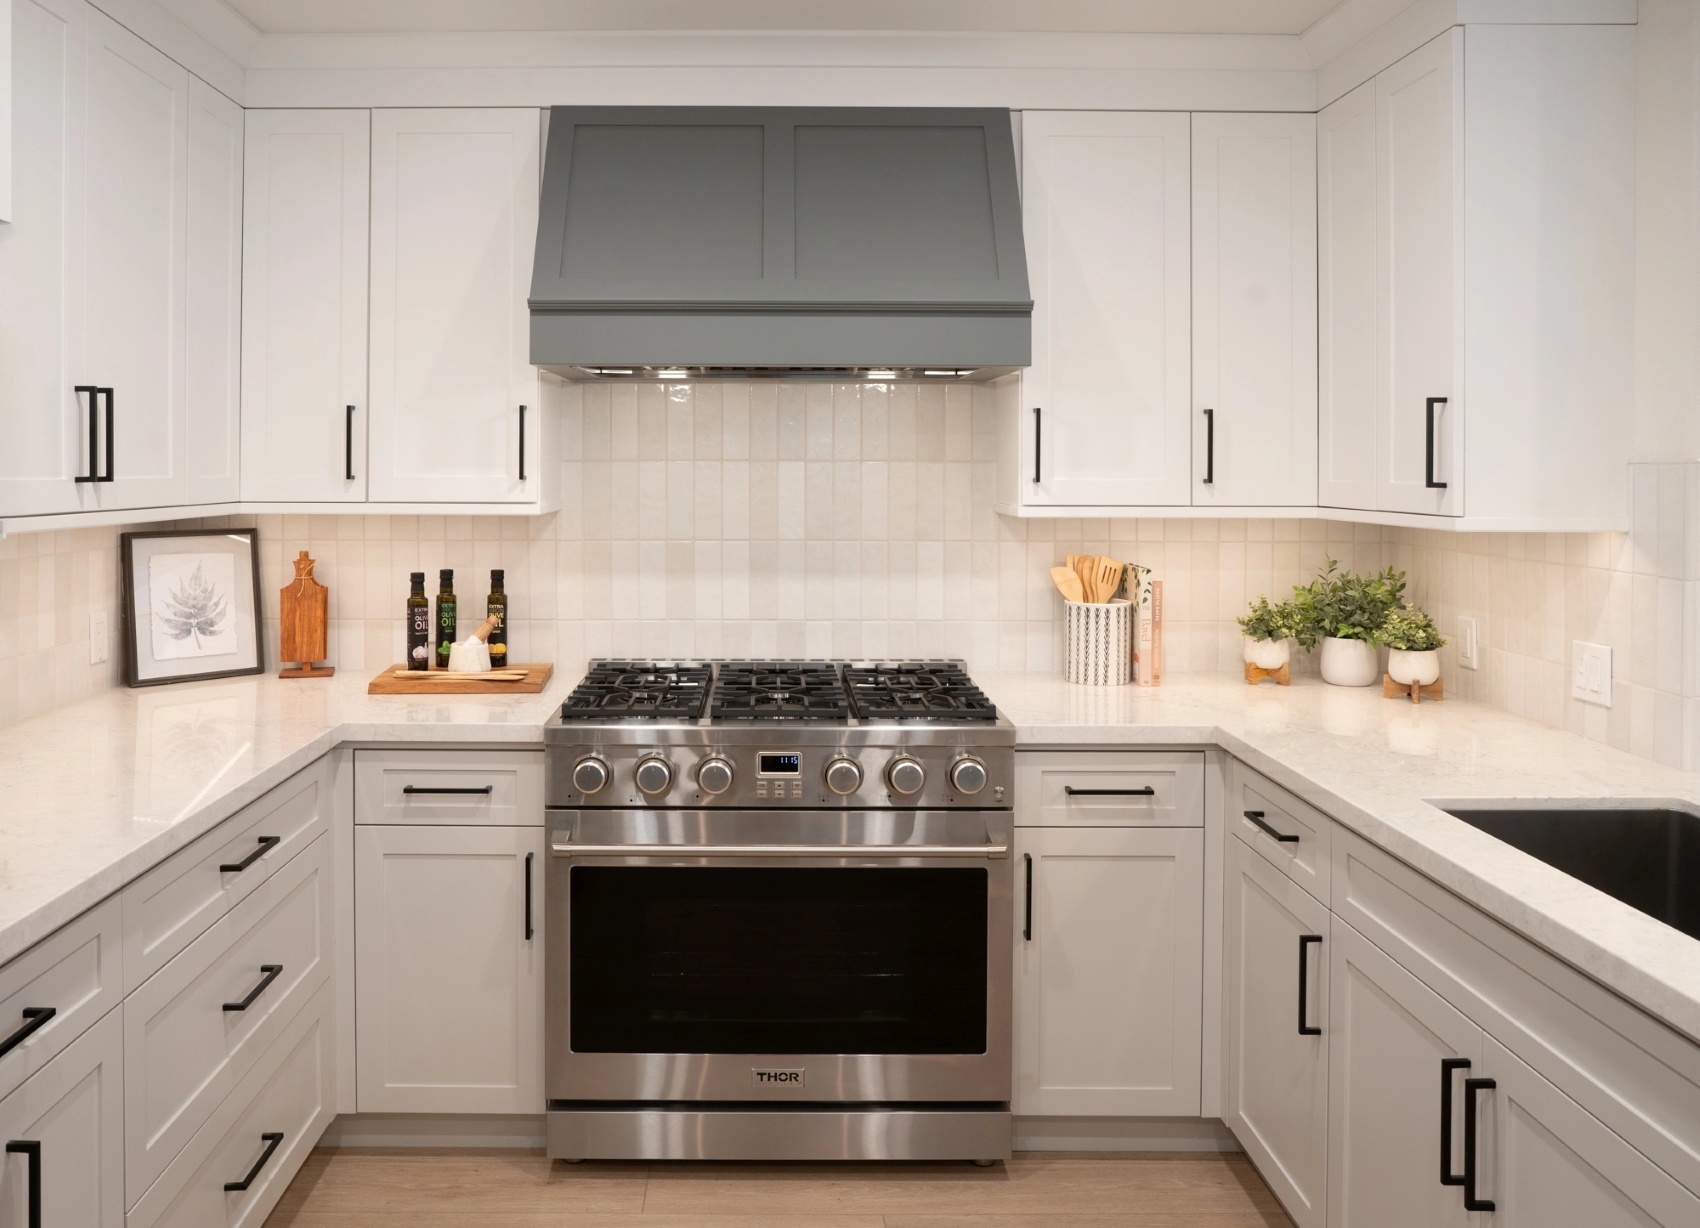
(857, 520)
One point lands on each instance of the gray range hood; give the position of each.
(731, 242)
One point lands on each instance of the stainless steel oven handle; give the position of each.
(569, 849)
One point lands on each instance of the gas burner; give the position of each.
(779, 691)
(917, 690)
(639, 690)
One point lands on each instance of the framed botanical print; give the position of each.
(191, 605)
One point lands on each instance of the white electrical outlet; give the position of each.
(1467, 649)
(1590, 672)
(98, 648)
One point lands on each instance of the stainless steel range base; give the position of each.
(780, 1132)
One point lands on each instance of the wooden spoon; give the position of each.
(1068, 584)
(1083, 568)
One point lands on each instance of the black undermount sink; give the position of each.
(1648, 857)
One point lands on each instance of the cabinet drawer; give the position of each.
(288, 1093)
(1109, 789)
(173, 904)
(75, 974)
(1304, 860)
(185, 1047)
(457, 787)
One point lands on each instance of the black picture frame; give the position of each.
(141, 667)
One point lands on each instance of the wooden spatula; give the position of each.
(1068, 583)
(1107, 575)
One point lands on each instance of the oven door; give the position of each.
(779, 956)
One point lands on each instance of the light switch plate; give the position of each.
(1590, 672)
(98, 648)
(1467, 649)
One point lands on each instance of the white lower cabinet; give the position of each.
(64, 1128)
(449, 969)
(1276, 1069)
(1108, 971)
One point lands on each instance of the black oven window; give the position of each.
(741, 960)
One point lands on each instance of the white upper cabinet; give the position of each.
(1105, 414)
(304, 256)
(1502, 225)
(1254, 310)
(212, 394)
(454, 225)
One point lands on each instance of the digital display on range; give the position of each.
(775, 764)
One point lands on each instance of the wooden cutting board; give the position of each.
(436, 682)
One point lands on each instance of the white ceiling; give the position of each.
(1116, 16)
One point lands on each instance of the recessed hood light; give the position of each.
(672, 373)
(881, 373)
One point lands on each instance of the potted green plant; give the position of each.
(1413, 645)
(1345, 611)
(1269, 631)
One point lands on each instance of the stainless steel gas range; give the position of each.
(779, 909)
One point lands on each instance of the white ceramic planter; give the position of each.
(1348, 662)
(1267, 654)
(1405, 666)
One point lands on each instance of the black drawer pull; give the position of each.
(32, 1149)
(272, 972)
(1038, 439)
(410, 790)
(1471, 1087)
(1428, 461)
(271, 1139)
(528, 858)
(1027, 924)
(1146, 791)
(34, 1017)
(236, 867)
(1209, 447)
(522, 443)
(1447, 1066)
(1304, 983)
(1256, 816)
(348, 446)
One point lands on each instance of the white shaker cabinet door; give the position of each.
(64, 1126)
(1254, 310)
(1347, 392)
(449, 969)
(304, 279)
(454, 228)
(1276, 1074)
(1106, 404)
(1388, 1037)
(1419, 118)
(1109, 971)
(212, 397)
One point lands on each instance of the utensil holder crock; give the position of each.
(1098, 642)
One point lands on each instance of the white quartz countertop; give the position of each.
(95, 794)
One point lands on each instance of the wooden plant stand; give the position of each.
(1255, 675)
(1390, 688)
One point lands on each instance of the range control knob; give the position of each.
(653, 775)
(905, 776)
(590, 775)
(714, 775)
(843, 776)
(968, 775)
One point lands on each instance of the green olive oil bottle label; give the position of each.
(445, 616)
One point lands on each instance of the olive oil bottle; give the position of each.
(498, 610)
(418, 625)
(445, 615)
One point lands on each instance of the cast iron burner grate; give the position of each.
(639, 690)
(917, 690)
(779, 691)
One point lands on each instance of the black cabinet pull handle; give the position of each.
(271, 1139)
(348, 446)
(522, 443)
(1038, 437)
(272, 972)
(34, 1017)
(1209, 447)
(1027, 922)
(236, 867)
(107, 392)
(1471, 1087)
(1256, 816)
(93, 475)
(32, 1149)
(528, 858)
(1304, 983)
(1143, 791)
(447, 789)
(1447, 1066)
(1428, 464)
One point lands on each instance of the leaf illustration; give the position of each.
(195, 609)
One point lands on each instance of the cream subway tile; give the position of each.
(846, 580)
(957, 506)
(709, 501)
(817, 519)
(710, 430)
(735, 421)
(681, 421)
(929, 422)
(681, 500)
(651, 500)
(764, 421)
(876, 422)
(793, 422)
(901, 521)
(792, 499)
(847, 484)
(929, 500)
(817, 421)
(876, 571)
(900, 593)
(651, 422)
(652, 580)
(709, 578)
(623, 422)
(735, 487)
(681, 600)
(735, 580)
(793, 578)
(875, 496)
(817, 579)
(763, 580)
(959, 422)
(929, 580)
(901, 417)
(847, 422)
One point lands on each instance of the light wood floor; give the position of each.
(345, 1188)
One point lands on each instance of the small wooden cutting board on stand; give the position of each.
(399, 680)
